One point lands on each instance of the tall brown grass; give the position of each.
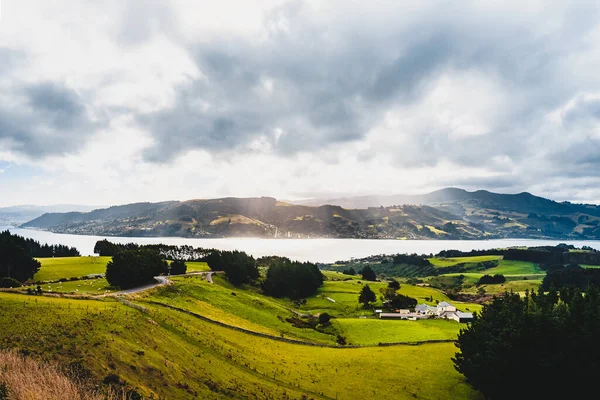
(24, 378)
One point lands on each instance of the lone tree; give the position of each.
(178, 267)
(368, 274)
(366, 296)
(131, 268)
(324, 318)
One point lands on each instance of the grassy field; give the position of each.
(225, 303)
(70, 267)
(86, 286)
(447, 262)
(370, 331)
(168, 354)
(193, 266)
(509, 267)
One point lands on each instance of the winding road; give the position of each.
(163, 280)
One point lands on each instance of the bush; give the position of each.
(491, 280)
(178, 267)
(9, 283)
(368, 274)
(324, 318)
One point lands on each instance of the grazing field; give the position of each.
(194, 266)
(448, 262)
(168, 354)
(70, 267)
(233, 306)
(517, 286)
(509, 267)
(85, 286)
(371, 331)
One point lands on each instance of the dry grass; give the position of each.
(23, 378)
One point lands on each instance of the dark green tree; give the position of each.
(366, 296)
(394, 284)
(16, 260)
(368, 274)
(178, 267)
(239, 267)
(131, 268)
(324, 318)
(9, 283)
(349, 271)
(548, 338)
(295, 280)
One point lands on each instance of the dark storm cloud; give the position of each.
(330, 86)
(44, 119)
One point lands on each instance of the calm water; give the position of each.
(315, 250)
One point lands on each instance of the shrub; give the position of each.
(324, 318)
(9, 283)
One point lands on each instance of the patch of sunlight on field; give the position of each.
(371, 331)
(70, 267)
(447, 262)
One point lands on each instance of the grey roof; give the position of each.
(421, 307)
(464, 314)
(444, 304)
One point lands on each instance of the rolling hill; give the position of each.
(445, 214)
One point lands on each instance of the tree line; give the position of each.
(547, 338)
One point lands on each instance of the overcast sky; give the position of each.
(108, 102)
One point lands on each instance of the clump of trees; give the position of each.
(368, 274)
(546, 337)
(17, 261)
(392, 299)
(292, 279)
(366, 296)
(572, 276)
(349, 271)
(239, 267)
(411, 259)
(131, 268)
(491, 280)
(178, 267)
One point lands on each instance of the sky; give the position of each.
(116, 101)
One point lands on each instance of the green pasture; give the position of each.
(447, 262)
(509, 267)
(70, 267)
(95, 286)
(371, 331)
(168, 354)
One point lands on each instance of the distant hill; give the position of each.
(16, 215)
(445, 214)
(522, 202)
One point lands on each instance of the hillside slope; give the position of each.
(446, 214)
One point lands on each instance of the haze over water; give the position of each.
(314, 250)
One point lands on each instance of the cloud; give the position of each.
(44, 119)
(399, 96)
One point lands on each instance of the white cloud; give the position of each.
(112, 102)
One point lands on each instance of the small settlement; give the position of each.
(443, 310)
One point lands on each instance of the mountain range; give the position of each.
(449, 213)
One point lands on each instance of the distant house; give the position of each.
(444, 306)
(463, 316)
(444, 310)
